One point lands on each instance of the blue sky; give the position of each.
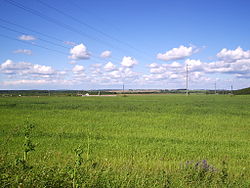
(145, 44)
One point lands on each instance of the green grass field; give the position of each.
(133, 141)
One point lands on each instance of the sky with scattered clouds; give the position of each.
(145, 44)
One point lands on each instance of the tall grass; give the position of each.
(134, 141)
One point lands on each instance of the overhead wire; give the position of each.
(39, 38)
(87, 25)
(34, 44)
(40, 46)
(142, 52)
(97, 17)
(56, 22)
(39, 14)
(13, 30)
(31, 30)
(68, 27)
(49, 19)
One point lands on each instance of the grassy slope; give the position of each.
(149, 132)
(245, 91)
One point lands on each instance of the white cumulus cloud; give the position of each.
(158, 70)
(109, 66)
(128, 62)
(106, 54)
(232, 55)
(42, 69)
(237, 67)
(25, 68)
(153, 65)
(175, 65)
(177, 53)
(79, 52)
(23, 82)
(195, 65)
(78, 69)
(23, 51)
(27, 37)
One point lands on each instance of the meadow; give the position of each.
(132, 141)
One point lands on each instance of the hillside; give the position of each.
(245, 91)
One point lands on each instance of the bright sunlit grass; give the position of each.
(141, 136)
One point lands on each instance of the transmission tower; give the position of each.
(215, 88)
(187, 79)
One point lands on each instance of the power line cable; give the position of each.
(48, 36)
(13, 30)
(31, 30)
(37, 45)
(54, 21)
(87, 25)
(142, 52)
(101, 19)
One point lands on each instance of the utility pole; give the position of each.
(187, 79)
(215, 88)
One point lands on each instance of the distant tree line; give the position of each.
(16, 93)
(245, 91)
